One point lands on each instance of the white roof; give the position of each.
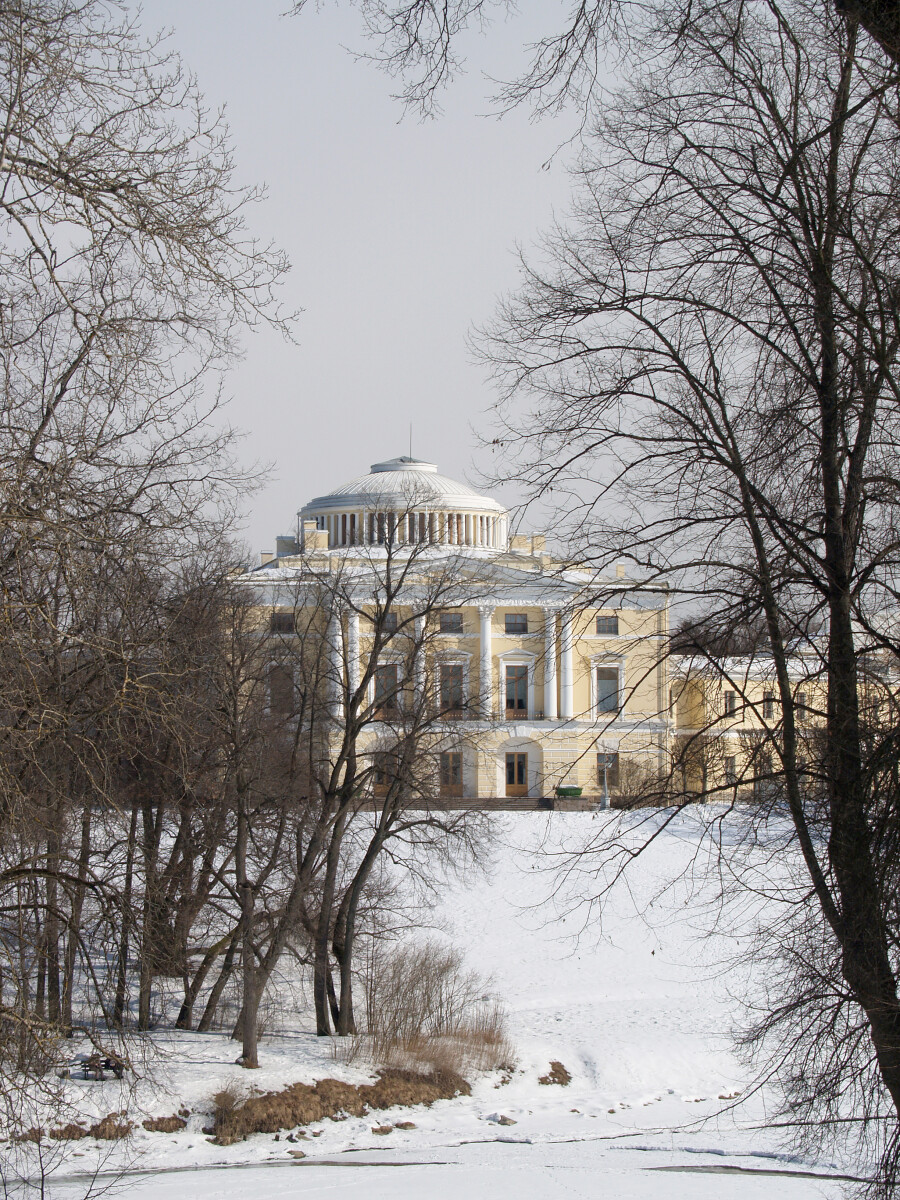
(400, 482)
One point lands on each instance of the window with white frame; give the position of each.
(608, 626)
(516, 689)
(387, 687)
(452, 687)
(608, 698)
(730, 700)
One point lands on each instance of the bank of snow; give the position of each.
(637, 1007)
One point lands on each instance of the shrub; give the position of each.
(424, 1009)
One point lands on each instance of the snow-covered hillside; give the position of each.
(637, 1007)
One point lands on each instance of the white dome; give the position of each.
(398, 483)
(406, 501)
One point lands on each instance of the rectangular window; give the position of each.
(763, 782)
(387, 687)
(389, 622)
(802, 708)
(451, 773)
(516, 691)
(608, 625)
(451, 622)
(607, 690)
(281, 689)
(281, 622)
(516, 623)
(385, 771)
(608, 771)
(768, 706)
(730, 768)
(730, 703)
(452, 697)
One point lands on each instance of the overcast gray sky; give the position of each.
(402, 235)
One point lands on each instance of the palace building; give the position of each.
(555, 681)
(544, 679)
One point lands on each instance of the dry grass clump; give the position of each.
(69, 1133)
(303, 1104)
(557, 1074)
(111, 1128)
(424, 1008)
(164, 1124)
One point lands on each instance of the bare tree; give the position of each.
(419, 41)
(713, 346)
(382, 739)
(126, 275)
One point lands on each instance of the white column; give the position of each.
(486, 612)
(566, 674)
(335, 664)
(353, 650)
(550, 664)
(419, 660)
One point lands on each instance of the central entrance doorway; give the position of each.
(517, 774)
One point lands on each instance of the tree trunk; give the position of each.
(195, 985)
(215, 995)
(345, 927)
(76, 908)
(122, 966)
(247, 1026)
(50, 941)
(322, 939)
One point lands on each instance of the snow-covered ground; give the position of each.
(639, 1013)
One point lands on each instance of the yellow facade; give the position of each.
(542, 675)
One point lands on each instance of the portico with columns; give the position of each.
(525, 649)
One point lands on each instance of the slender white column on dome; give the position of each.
(353, 650)
(486, 612)
(550, 664)
(566, 672)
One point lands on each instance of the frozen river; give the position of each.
(499, 1170)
